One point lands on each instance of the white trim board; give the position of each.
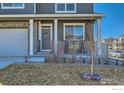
(34, 8)
(51, 15)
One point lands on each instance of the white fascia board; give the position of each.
(50, 15)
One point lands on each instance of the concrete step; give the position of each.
(45, 53)
(36, 58)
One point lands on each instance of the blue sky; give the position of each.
(113, 23)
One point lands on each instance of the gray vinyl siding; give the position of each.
(85, 8)
(45, 8)
(29, 9)
(49, 8)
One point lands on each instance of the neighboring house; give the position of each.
(115, 44)
(110, 45)
(121, 43)
(28, 29)
(109, 42)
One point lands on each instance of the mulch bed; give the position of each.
(57, 74)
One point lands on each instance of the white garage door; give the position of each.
(13, 42)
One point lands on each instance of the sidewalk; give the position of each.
(6, 61)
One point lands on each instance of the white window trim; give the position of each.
(5, 7)
(34, 8)
(74, 24)
(40, 35)
(56, 11)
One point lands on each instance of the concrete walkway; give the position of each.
(5, 64)
(6, 61)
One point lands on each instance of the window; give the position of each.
(69, 32)
(12, 6)
(65, 8)
(73, 36)
(70, 7)
(60, 7)
(73, 31)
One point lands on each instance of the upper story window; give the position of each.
(65, 8)
(12, 5)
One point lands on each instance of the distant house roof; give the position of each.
(121, 36)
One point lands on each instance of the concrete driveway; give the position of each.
(6, 61)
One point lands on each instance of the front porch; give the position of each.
(61, 37)
(57, 34)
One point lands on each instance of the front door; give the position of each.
(46, 37)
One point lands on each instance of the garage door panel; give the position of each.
(13, 42)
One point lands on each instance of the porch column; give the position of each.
(31, 37)
(99, 36)
(55, 35)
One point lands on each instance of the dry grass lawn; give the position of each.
(57, 74)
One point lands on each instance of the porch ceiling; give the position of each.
(50, 16)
